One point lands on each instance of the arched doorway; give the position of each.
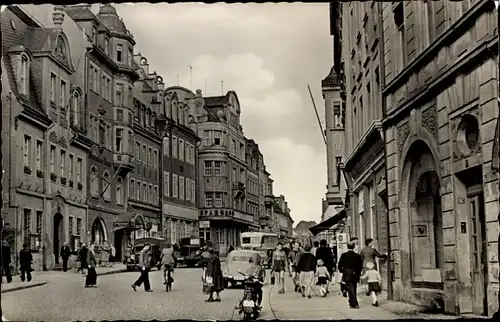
(421, 184)
(58, 231)
(98, 232)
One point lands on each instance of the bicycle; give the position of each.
(167, 277)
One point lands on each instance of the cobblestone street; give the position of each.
(64, 298)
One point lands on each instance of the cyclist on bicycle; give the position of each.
(168, 260)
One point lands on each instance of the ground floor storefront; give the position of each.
(365, 172)
(225, 232)
(179, 222)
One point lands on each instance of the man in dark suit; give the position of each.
(351, 265)
(65, 254)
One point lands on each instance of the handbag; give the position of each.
(273, 280)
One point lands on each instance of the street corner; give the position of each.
(17, 286)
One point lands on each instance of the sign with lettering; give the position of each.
(119, 224)
(204, 224)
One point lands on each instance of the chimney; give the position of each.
(58, 16)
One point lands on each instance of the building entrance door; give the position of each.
(478, 248)
(58, 234)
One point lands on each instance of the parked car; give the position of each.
(157, 245)
(237, 260)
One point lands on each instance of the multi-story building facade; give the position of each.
(364, 164)
(45, 153)
(432, 126)
(267, 221)
(440, 105)
(222, 170)
(110, 77)
(252, 156)
(144, 182)
(179, 156)
(282, 221)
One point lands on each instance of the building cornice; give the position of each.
(446, 38)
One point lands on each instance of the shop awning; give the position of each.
(328, 223)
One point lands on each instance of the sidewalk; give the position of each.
(334, 306)
(43, 277)
(292, 305)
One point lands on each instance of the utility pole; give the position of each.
(190, 77)
(222, 87)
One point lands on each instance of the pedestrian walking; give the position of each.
(351, 265)
(323, 277)
(112, 255)
(369, 255)
(374, 280)
(325, 254)
(65, 254)
(278, 266)
(25, 260)
(82, 253)
(91, 279)
(214, 276)
(144, 262)
(307, 267)
(293, 258)
(355, 241)
(5, 262)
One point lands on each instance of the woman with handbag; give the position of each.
(213, 277)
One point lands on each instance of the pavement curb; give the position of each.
(23, 287)
(113, 272)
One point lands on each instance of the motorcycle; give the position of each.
(249, 306)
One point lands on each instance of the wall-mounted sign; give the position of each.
(204, 224)
(419, 230)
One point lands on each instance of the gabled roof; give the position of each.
(20, 32)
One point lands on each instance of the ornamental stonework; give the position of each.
(403, 132)
(429, 121)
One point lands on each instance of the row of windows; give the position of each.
(32, 227)
(144, 192)
(68, 170)
(102, 84)
(253, 209)
(146, 155)
(184, 151)
(182, 188)
(252, 186)
(106, 47)
(60, 96)
(215, 168)
(101, 187)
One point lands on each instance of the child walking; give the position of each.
(374, 280)
(323, 277)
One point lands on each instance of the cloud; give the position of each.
(267, 53)
(298, 173)
(281, 103)
(244, 73)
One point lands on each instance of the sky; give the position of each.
(268, 54)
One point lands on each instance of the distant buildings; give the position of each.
(97, 150)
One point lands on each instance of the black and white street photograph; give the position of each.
(250, 161)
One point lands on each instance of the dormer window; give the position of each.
(24, 75)
(119, 53)
(106, 45)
